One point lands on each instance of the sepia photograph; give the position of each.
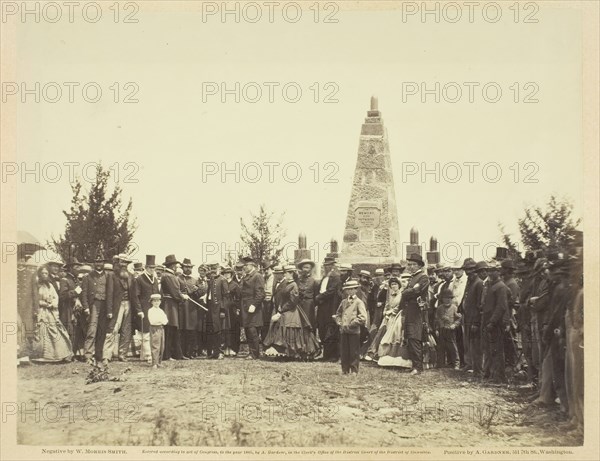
(299, 230)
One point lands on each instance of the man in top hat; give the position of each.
(144, 287)
(239, 273)
(471, 312)
(308, 288)
(119, 296)
(201, 343)
(188, 311)
(493, 319)
(172, 295)
(413, 296)
(93, 300)
(252, 297)
(328, 300)
(267, 309)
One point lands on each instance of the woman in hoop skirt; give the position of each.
(290, 333)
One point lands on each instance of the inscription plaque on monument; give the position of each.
(367, 214)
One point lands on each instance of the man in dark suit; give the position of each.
(253, 295)
(215, 301)
(172, 294)
(328, 300)
(145, 286)
(413, 298)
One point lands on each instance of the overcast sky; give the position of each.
(171, 132)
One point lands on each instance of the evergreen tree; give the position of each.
(96, 223)
(263, 236)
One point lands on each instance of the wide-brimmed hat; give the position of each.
(171, 259)
(150, 260)
(289, 268)
(417, 258)
(481, 265)
(396, 266)
(187, 262)
(351, 284)
(508, 265)
(123, 258)
(278, 270)
(469, 263)
(306, 261)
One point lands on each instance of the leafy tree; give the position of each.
(96, 223)
(262, 237)
(543, 228)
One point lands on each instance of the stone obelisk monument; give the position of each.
(371, 237)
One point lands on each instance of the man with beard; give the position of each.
(232, 305)
(172, 296)
(144, 287)
(252, 295)
(216, 315)
(239, 273)
(494, 315)
(119, 293)
(138, 269)
(458, 285)
(328, 300)
(413, 298)
(307, 287)
(93, 300)
(188, 310)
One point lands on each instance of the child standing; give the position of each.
(157, 319)
(447, 319)
(350, 316)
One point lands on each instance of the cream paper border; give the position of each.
(590, 125)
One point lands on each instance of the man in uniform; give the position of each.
(414, 303)
(188, 310)
(307, 287)
(215, 301)
(252, 297)
(268, 302)
(69, 297)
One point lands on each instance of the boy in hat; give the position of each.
(350, 315)
(447, 320)
(157, 319)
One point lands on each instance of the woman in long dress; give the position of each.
(392, 304)
(51, 342)
(290, 333)
(392, 350)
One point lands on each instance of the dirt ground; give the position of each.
(235, 402)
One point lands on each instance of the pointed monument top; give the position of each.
(374, 103)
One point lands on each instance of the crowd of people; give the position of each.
(496, 321)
